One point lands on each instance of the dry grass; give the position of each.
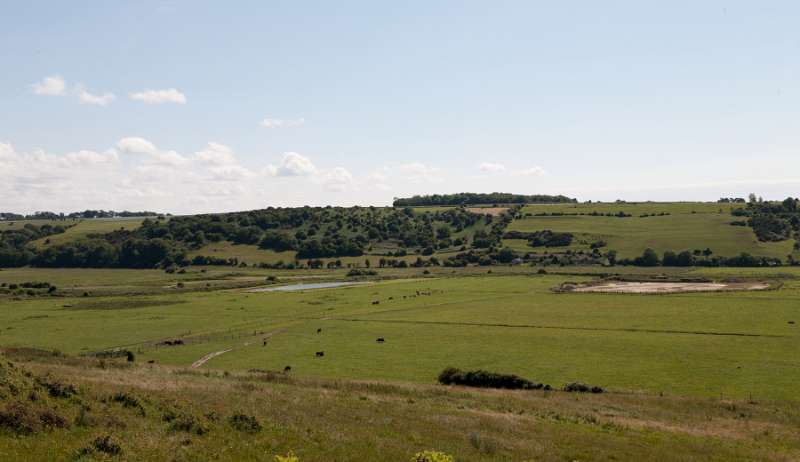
(324, 420)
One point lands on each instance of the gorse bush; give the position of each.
(432, 456)
(289, 457)
(485, 379)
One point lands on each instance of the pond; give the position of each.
(309, 286)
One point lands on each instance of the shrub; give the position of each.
(57, 389)
(432, 456)
(579, 387)
(188, 423)
(102, 444)
(244, 423)
(126, 400)
(24, 419)
(485, 379)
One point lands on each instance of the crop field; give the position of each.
(731, 344)
(687, 226)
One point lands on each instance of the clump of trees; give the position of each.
(486, 379)
(543, 238)
(772, 220)
(699, 258)
(14, 250)
(480, 199)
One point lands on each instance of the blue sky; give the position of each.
(214, 106)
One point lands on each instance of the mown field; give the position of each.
(733, 344)
(688, 226)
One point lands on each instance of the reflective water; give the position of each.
(309, 286)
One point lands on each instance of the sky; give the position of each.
(194, 106)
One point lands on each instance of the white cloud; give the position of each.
(216, 153)
(418, 171)
(149, 178)
(50, 86)
(170, 95)
(84, 97)
(491, 167)
(293, 164)
(280, 123)
(86, 158)
(136, 145)
(532, 171)
(337, 179)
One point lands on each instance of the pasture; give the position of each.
(85, 227)
(730, 344)
(687, 226)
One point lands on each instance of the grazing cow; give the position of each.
(380, 340)
(320, 354)
(791, 322)
(319, 331)
(265, 343)
(375, 302)
(152, 361)
(287, 368)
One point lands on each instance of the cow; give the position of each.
(319, 331)
(320, 354)
(380, 340)
(287, 368)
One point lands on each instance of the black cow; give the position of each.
(320, 354)
(380, 340)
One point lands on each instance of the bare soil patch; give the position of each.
(632, 287)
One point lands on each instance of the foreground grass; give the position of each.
(326, 420)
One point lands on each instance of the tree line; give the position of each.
(480, 199)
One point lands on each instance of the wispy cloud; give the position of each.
(281, 123)
(84, 97)
(169, 95)
(50, 86)
(491, 167)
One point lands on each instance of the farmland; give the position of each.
(695, 376)
(742, 341)
(684, 226)
(81, 228)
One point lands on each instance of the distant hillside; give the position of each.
(10, 216)
(480, 198)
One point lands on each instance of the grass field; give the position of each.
(82, 228)
(680, 230)
(18, 224)
(731, 344)
(325, 420)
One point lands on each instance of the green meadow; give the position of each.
(688, 226)
(81, 228)
(734, 344)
